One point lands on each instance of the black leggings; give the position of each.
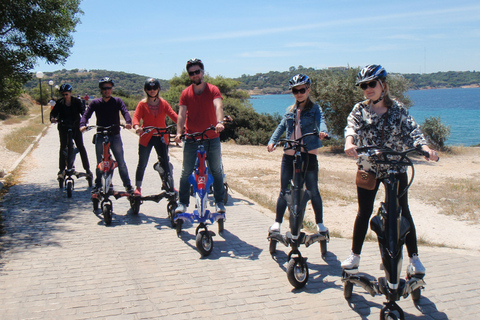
(366, 199)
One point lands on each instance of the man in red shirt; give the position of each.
(200, 107)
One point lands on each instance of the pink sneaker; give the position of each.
(138, 192)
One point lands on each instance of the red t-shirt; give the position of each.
(201, 112)
(150, 119)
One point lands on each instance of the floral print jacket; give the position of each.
(400, 132)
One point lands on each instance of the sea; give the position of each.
(458, 108)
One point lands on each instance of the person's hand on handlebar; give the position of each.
(128, 126)
(350, 147)
(433, 155)
(178, 138)
(219, 127)
(83, 129)
(139, 130)
(323, 135)
(271, 147)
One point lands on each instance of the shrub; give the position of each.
(436, 132)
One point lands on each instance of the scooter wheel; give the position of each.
(107, 214)
(69, 189)
(323, 247)
(135, 205)
(95, 203)
(387, 314)
(347, 289)
(221, 224)
(225, 198)
(171, 206)
(204, 243)
(178, 227)
(416, 294)
(297, 272)
(273, 246)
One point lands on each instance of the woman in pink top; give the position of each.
(152, 110)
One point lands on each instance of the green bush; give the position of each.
(12, 107)
(435, 132)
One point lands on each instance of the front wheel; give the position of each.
(69, 189)
(387, 314)
(107, 214)
(204, 243)
(297, 272)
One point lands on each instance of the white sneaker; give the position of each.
(321, 228)
(352, 262)
(275, 227)
(416, 265)
(181, 208)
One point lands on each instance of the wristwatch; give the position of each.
(221, 122)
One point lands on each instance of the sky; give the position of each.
(156, 38)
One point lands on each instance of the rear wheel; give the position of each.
(171, 206)
(323, 247)
(225, 198)
(90, 182)
(220, 223)
(69, 189)
(60, 183)
(178, 227)
(135, 205)
(347, 289)
(416, 294)
(273, 246)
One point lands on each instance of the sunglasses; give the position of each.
(192, 73)
(152, 88)
(372, 85)
(106, 88)
(65, 94)
(297, 91)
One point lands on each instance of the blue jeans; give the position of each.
(311, 183)
(214, 158)
(144, 153)
(116, 146)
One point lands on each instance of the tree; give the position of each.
(336, 93)
(31, 30)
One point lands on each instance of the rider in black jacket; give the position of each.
(67, 112)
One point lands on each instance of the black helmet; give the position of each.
(65, 88)
(151, 83)
(105, 80)
(370, 73)
(298, 80)
(194, 62)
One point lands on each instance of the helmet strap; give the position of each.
(381, 96)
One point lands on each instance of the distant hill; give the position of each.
(273, 82)
(84, 81)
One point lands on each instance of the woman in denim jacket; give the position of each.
(301, 118)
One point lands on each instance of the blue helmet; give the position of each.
(298, 80)
(370, 73)
(65, 88)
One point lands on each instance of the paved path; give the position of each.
(59, 261)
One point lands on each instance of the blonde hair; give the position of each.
(145, 100)
(308, 105)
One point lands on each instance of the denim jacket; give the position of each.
(309, 120)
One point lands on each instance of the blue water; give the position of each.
(458, 108)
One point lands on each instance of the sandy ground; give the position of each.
(253, 171)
